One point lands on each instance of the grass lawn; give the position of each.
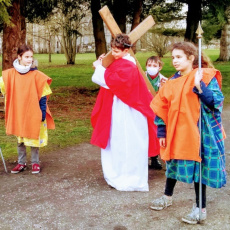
(74, 95)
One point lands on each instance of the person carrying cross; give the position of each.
(123, 120)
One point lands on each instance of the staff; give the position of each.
(3, 160)
(199, 36)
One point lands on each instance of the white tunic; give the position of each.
(125, 159)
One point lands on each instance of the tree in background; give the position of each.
(14, 33)
(98, 28)
(68, 17)
(4, 16)
(225, 38)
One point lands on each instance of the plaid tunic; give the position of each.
(212, 147)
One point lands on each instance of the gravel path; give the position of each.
(70, 193)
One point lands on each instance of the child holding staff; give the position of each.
(177, 106)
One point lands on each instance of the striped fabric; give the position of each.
(212, 148)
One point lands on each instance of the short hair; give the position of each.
(155, 59)
(121, 41)
(23, 48)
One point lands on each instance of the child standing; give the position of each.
(153, 67)
(27, 115)
(177, 106)
(123, 121)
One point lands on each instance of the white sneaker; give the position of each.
(161, 203)
(193, 217)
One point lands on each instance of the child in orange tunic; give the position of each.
(27, 115)
(177, 106)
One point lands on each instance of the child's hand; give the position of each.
(96, 63)
(162, 142)
(101, 57)
(198, 78)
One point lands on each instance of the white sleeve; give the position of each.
(98, 76)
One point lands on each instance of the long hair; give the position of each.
(190, 49)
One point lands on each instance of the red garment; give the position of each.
(125, 81)
(23, 114)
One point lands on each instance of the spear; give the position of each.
(3, 160)
(199, 33)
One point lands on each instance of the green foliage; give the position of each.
(4, 16)
(39, 9)
(214, 18)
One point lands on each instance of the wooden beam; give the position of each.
(134, 35)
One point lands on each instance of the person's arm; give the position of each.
(42, 104)
(211, 95)
(98, 76)
(161, 131)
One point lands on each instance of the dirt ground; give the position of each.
(71, 193)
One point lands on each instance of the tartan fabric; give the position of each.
(212, 148)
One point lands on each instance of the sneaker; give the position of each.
(193, 217)
(161, 203)
(19, 168)
(155, 164)
(35, 168)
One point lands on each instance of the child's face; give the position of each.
(153, 68)
(181, 62)
(26, 59)
(118, 53)
(153, 64)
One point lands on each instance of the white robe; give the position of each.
(125, 159)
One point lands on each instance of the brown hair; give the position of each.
(155, 59)
(190, 49)
(23, 48)
(121, 41)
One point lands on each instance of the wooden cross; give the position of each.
(134, 35)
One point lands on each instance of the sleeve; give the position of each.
(161, 127)
(46, 90)
(211, 97)
(43, 106)
(2, 86)
(98, 76)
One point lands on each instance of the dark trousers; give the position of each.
(170, 184)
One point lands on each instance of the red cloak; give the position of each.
(125, 81)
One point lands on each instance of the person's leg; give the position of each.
(35, 160)
(34, 155)
(21, 166)
(166, 199)
(21, 154)
(155, 164)
(197, 192)
(194, 216)
(169, 186)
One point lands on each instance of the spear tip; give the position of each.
(199, 31)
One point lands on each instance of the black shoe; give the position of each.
(155, 164)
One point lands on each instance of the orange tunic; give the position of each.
(22, 111)
(178, 106)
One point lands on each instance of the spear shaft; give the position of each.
(199, 36)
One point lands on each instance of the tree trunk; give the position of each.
(15, 35)
(98, 28)
(119, 13)
(193, 18)
(136, 18)
(49, 42)
(225, 39)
